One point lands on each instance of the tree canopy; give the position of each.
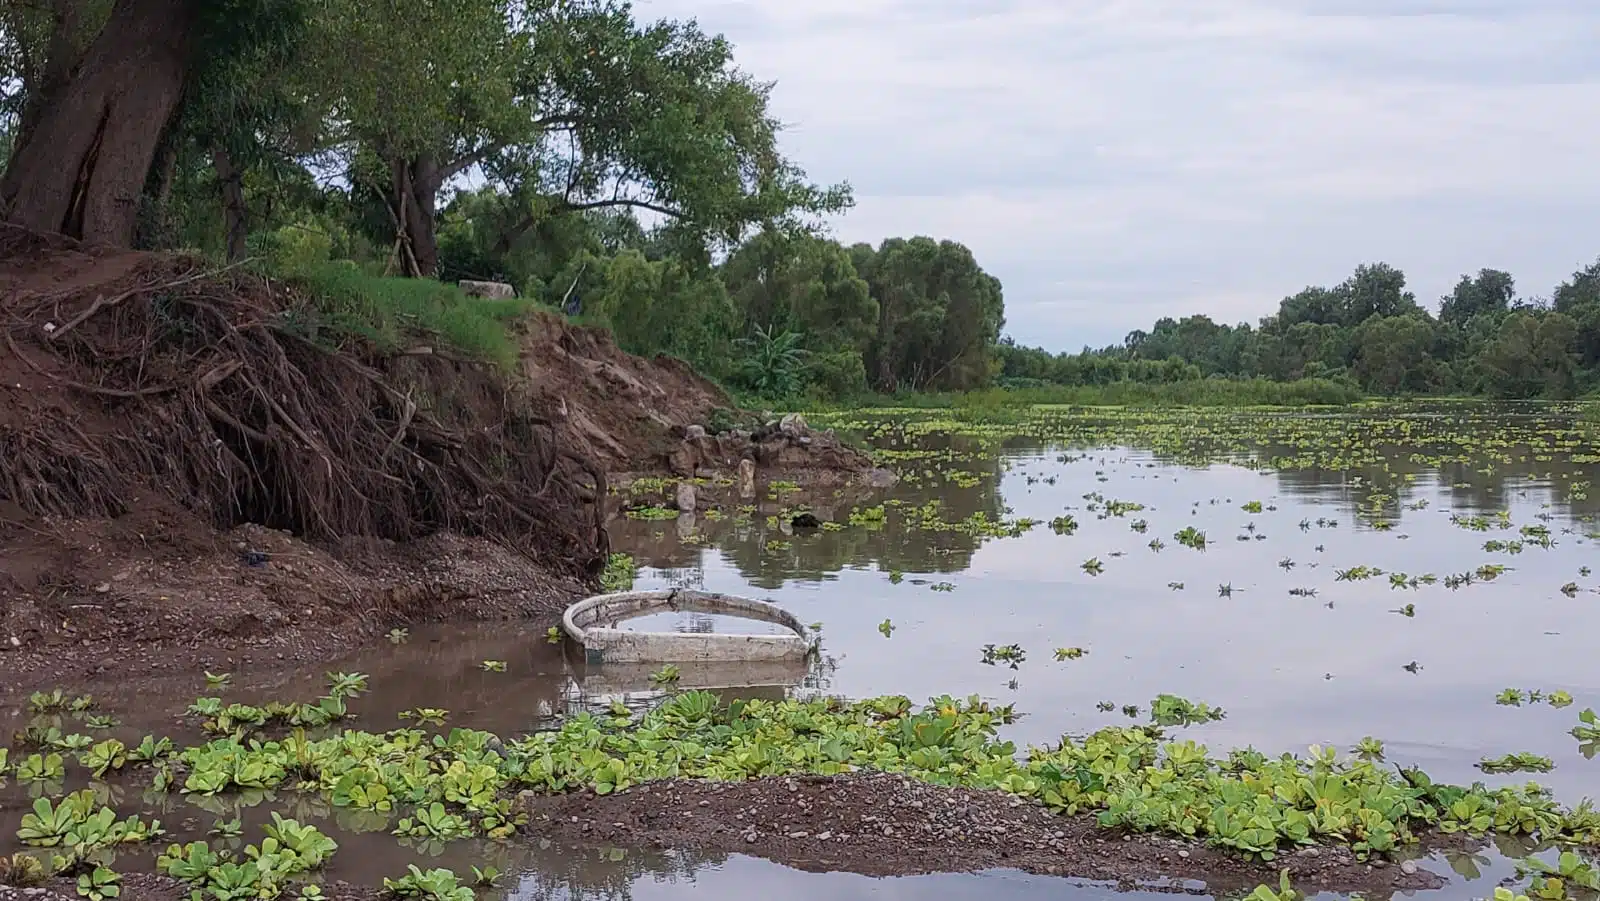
(629, 172)
(626, 171)
(1370, 332)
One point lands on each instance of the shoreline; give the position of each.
(883, 825)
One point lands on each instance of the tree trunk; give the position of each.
(231, 181)
(414, 193)
(63, 52)
(85, 163)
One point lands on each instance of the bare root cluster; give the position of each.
(197, 384)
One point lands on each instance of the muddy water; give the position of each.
(1329, 665)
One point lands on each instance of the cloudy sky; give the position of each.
(1115, 161)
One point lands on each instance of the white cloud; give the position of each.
(1116, 161)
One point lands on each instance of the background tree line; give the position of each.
(1370, 332)
(625, 170)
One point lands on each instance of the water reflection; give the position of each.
(1329, 664)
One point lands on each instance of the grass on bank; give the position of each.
(343, 301)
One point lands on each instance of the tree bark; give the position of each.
(415, 192)
(84, 166)
(42, 80)
(231, 180)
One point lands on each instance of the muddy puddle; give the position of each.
(1430, 585)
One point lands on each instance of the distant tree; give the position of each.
(1490, 292)
(1531, 356)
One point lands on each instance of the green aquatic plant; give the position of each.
(1093, 566)
(1064, 524)
(552, 635)
(398, 635)
(100, 883)
(431, 885)
(1559, 698)
(1551, 881)
(104, 757)
(667, 675)
(425, 715)
(619, 573)
(1069, 653)
(41, 768)
(886, 627)
(485, 877)
(23, 870)
(1517, 763)
(1012, 655)
(1171, 710)
(869, 517)
(435, 822)
(1588, 728)
(1369, 748)
(217, 680)
(1356, 574)
(58, 701)
(1284, 892)
(494, 666)
(942, 586)
(1191, 537)
(1252, 507)
(1511, 697)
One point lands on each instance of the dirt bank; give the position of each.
(186, 468)
(645, 417)
(883, 825)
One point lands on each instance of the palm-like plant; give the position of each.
(772, 363)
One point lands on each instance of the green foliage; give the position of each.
(772, 364)
(1367, 333)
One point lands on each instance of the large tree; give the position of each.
(564, 106)
(939, 315)
(94, 119)
(99, 86)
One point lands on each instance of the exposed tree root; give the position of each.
(198, 383)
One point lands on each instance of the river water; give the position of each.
(1260, 623)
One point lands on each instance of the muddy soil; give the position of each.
(884, 825)
(248, 600)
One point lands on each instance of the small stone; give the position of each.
(1409, 867)
(824, 836)
(102, 588)
(1184, 854)
(16, 642)
(694, 433)
(799, 834)
(705, 803)
(1380, 863)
